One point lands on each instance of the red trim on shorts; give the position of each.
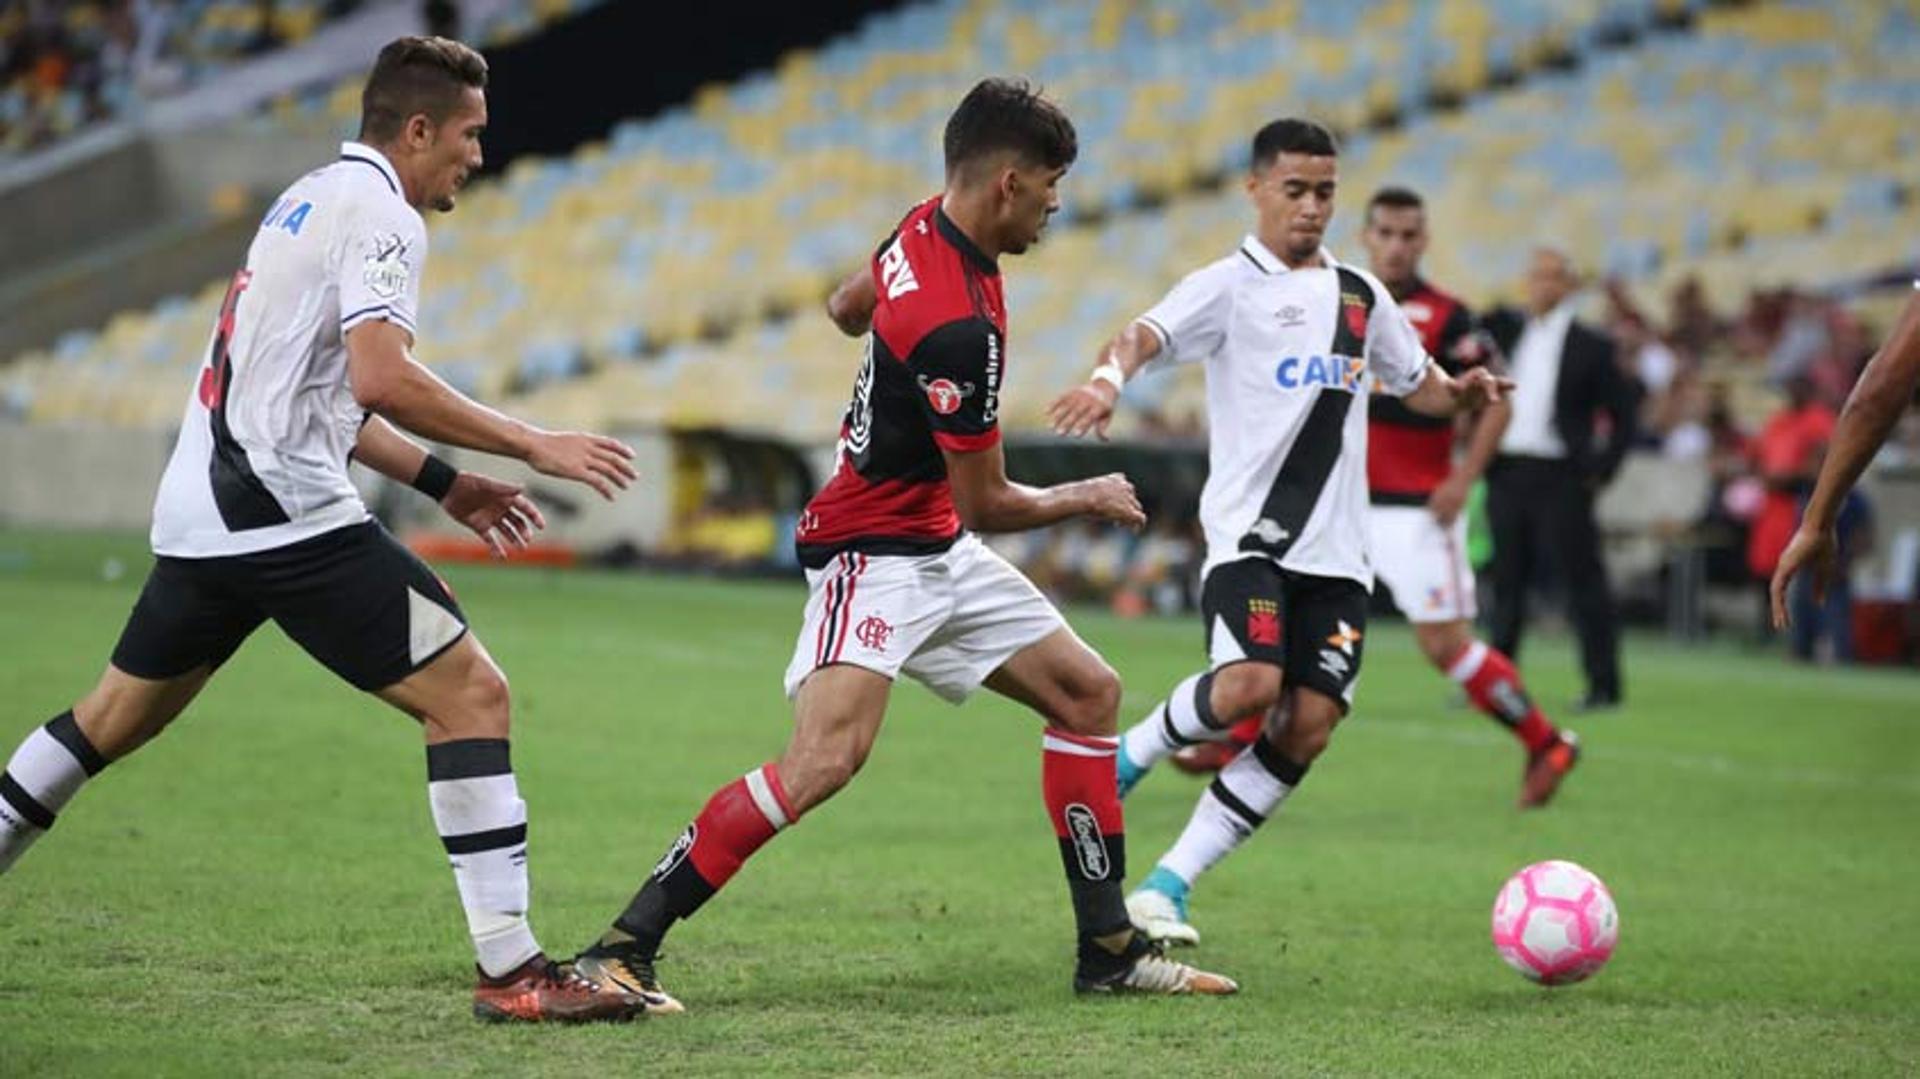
(966, 443)
(859, 564)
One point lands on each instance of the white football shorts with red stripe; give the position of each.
(1423, 563)
(946, 620)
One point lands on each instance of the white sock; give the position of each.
(1239, 800)
(483, 825)
(1185, 718)
(41, 778)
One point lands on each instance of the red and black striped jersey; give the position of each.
(930, 382)
(1409, 454)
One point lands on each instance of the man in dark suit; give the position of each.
(1554, 457)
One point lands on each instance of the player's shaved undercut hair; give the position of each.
(417, 75)
(1000, 115)
(1291, 136)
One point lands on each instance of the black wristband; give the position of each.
(436, 478)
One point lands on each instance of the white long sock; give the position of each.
(1183, 719)
(483, 825)
(41, 778)
(1239, 800)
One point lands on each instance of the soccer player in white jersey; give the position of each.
(256, 518)
(1290, 338)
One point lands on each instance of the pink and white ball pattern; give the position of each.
(1555, 923)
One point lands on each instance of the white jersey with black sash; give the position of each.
(261, 460)
(1288, 353)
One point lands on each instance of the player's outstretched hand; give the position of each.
(498, 512)
(601, 463)
(1811, 549)
(1480, 387)
(1114, 499)
(1086, 408)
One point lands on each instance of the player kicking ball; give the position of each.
(1417, 530)
(257, 518)
(899, 583)
(1291, 339)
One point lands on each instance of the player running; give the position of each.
(1291, 338)
(899, 582)
(1416, 527)
(257, 519)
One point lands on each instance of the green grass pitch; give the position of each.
(260, 891)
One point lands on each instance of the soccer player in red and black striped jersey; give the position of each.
(1418, 489)
(900, 583)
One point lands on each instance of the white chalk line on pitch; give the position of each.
(1429, 731)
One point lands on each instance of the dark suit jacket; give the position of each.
(1591, 383)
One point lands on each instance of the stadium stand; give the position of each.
(634, 281)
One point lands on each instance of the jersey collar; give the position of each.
(959, 240)
(1260, 256)
(367, 155)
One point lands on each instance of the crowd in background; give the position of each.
(67, 64)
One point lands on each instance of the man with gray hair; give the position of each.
(1555, 456)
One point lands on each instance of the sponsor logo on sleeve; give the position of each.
(385, 271)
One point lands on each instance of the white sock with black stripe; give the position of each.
(1185, 718)
(1239, 800)
(483, 825)
(44, 774)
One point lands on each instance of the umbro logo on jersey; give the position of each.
(896, 272)
(944, 395)
(1291, 316)
(1331, 372)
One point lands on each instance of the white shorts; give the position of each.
(1423, 564)
(948, 620)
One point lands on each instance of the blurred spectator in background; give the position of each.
(1785, 459)
(1574, 416)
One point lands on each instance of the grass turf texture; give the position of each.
(260, 891)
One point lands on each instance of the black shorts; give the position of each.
(1310, 627)
(363, 605)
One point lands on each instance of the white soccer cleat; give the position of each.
(1161, 917)
(1146, 969)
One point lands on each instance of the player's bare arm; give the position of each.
(500, 513)
(1484, 429)
(1088, 408)
(388, 381)
(1886, 387)
(1441, 394)
(852, 302)
(988, 501)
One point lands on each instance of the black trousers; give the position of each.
(1542, 517)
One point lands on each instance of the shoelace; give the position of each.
(1153, 970)
(563, 976)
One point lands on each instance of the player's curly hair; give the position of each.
(417, 75)
(1009, 114)
(1291, 136)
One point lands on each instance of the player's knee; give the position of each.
(1094, 708)
(1308, 730)
(1442, 644)
(488, 695)
(1245, 689)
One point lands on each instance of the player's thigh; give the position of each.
(870, 612)
(1240, 604)
(360, 603)
(460, 693)
(1422, 562)
(1063, 679)
(996, 613)
(1326, 630)
(836, 718)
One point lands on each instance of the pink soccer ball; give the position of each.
(1555, 923)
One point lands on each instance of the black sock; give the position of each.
(646, 919)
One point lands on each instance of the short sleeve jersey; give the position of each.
(1408, 454)
(930, 382)
(1286, 407)
(261, 459)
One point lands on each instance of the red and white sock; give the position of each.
(735, 822)
(1077, 781)
(1493, 685)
